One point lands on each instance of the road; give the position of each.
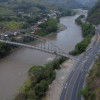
(76, 79)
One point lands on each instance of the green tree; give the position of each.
(81, 47)
(36, 73)
(41, 88)
(84, 92)
(4, 49)
(56, 64)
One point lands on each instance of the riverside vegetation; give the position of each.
(48, 27)
(4, 49)
(91, 90)
(39, 79)
(87, 32)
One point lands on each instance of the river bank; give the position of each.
(61, 27)
(55, 88)
(14, 67)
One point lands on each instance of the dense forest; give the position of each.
(94, 14)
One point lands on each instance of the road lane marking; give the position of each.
(72, 78)
(70, 81)
(76, 71)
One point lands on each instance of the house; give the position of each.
(36, 29)
(26, 15)
(20, 13)
(15, 33)
(45, 19)
(40, 22)
(19, 37)
(52, 15)
(32, 32)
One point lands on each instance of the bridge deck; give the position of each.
(39, 48)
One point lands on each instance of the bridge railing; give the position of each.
(44, 45)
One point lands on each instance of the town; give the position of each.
(18, 33)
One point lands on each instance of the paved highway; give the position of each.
(75, 81)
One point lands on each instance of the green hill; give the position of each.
(87, 3)
(94, 14)
(8, 7)
(66, 3)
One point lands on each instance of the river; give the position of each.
(14, 67)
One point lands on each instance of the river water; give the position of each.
(14, 67)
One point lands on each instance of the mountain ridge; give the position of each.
(88, 3)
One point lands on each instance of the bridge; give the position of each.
(45, 46)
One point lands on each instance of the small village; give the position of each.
(19, 34)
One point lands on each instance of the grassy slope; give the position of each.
(5, 11)
(32, 6)
(94, 14)
(11, 25)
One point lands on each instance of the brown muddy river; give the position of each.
(14, 67)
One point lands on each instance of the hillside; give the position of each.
(31, 6)
(73, 3)
(94, 14)
(87, 3)
(35, 6)
(65, 3)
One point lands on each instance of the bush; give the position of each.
(56, 64)
(20, 96)
(84, 92)
(41, 88)
(4, 49)
(62, 59)
(92, 96)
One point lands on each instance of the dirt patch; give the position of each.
(56, 87)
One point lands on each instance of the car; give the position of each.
(90, 47)
(82, 70)
(86, 56)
